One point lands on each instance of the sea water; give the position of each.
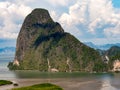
(4, 71)
(69, 81)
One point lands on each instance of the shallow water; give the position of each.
(68, 81)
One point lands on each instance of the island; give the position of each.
(43, 45)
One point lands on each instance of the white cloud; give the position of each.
(21, 1)
(8, 35)
(95, 16)
(69, 24)
(66, 19)
(11, 15)
(86, 19)
(113, 31)
(54, 15)
(94, 24)
(100, 9)
(59, 2)
(76, 14)
(74, 17)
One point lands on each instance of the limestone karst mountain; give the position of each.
(43, 45)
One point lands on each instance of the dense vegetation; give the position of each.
(114, 54)
(45, 86)
(41, 40)
(5, 82)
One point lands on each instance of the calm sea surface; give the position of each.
(69, 81)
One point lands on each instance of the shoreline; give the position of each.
(66, 84)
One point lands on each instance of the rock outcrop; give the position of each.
(111, 57)
(41, 39)
(116, 65)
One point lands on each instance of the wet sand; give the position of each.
(66, 84)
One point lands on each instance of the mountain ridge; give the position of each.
(7, 50)
(102, 47)
(43, 45)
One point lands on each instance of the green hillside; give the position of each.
(43, 45)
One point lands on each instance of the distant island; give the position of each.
(43, 45)
(102, 47)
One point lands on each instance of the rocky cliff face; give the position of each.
(37, 23)
(43, 45)
(111, 57)
(116, 65)
(114, 55)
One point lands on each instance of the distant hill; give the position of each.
(7, 50)
(7, 53)
(90, 44)
(102, 47)
(110, 56)
(113, 52)
(43, 45)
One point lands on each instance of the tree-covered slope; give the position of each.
(43, 45)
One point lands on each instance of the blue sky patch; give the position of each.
(116, 3)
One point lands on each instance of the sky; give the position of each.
(96, 21)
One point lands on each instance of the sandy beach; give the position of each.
(66, 84)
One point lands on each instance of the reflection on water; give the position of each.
(4, 72)
(106, 83)
(7, 74)
(109, 82)
(38, 74)
(115, 82)
(69, 81)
